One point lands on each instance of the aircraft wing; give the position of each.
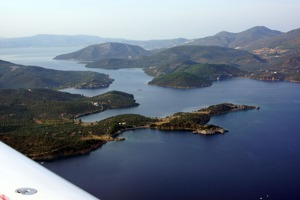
(21, 178)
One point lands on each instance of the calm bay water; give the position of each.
(257, 158)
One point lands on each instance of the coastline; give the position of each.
(269, 79)
(161, 124)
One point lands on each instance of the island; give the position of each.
(43, 124)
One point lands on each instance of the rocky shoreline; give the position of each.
(62, 154)
(210, 130)
(196, 121)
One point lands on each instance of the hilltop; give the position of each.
(282, 54)
(105, 51)
(237, 40)
(289, 40)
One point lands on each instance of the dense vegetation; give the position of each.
(180, 80)
(54, 139)
(41, 123)
(48, 104)
(51, 140)
(116, 124)
(222, 108)
(198, 75)
(196, 121)
(185, 121)
(181, 67)
(184, 55)
(18, 76)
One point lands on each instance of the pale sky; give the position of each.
(144, 19)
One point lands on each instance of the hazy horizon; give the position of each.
(144, 20)
(46, 34)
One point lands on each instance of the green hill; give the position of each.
(19, 76)
(186, 54)
(50, 104)
(180, 80)
(105, 51)
(181, 67)
(197, 75)
(171, 59)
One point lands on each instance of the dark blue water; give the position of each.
(259, 158)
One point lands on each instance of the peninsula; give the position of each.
(42, 123)
(196, 121)
(14, 76)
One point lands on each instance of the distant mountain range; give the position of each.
(45, 40)
(251, 39)
(258, 53)
(224, 39)
(237, 40)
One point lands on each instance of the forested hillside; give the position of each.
(43, 123)
(16, 76)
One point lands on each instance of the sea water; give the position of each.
(257, 159)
